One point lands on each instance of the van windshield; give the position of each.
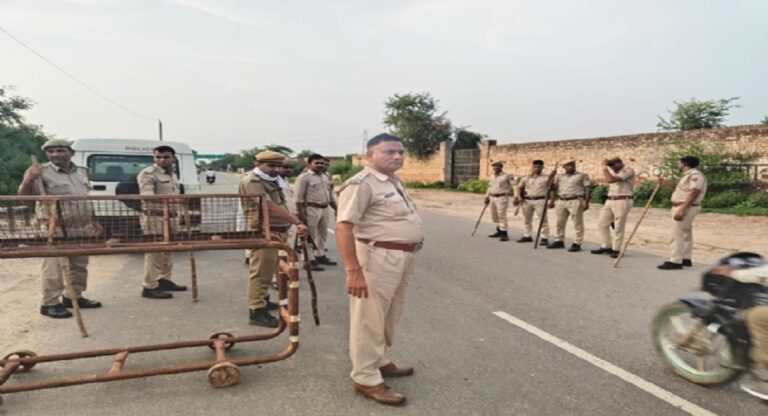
(119, 168)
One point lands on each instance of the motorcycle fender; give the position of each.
(700, 307)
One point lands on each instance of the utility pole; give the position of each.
(160, 128)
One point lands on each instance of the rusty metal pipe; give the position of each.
(8, 370)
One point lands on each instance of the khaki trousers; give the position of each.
(757, 323)
(53, 277)
(682, 235)
(157, 266)
(529, 206)
(499, 206)
(372, 320)
(616, 212)
(262, 266)
(317, 221)
(575, 209)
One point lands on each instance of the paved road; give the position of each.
(468, 360)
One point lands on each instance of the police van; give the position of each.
(115, 163)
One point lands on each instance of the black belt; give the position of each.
(498, 195)
(570, 198)
(535, 198)
(409, 247)
(316, 205)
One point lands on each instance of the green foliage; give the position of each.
(598, 193)
(425, 185)
(644, 190)
(757, 200)
(722, 168)
(244, 159)
(11, 106)
(725, 199)
(339, 168)
(466, 139)
(354, 170)
(415, 119)
(476, 186)
(764, 121)
(694, 114)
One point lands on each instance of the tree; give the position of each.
(724, 170)
(466, 139)
(694, 114)
(764, 121)
(18, 141)
(415, 119)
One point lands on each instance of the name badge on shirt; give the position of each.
(389, 195)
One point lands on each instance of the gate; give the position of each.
(465, 165)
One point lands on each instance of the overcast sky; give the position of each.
(226, 75)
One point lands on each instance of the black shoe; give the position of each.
(504, 236)
(497, 234)
(601, 251)
(543, 242)
(57, 311)
(155, 294)
(271, 306)
(668, 265)
(556, 244)
(325, 260)
(574, 248)
(83, 303)
(614, 254)
(525, 240)
(170, 286)
(315, 267)
(261, 317)
(687, 263)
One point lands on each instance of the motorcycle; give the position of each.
(705, 340)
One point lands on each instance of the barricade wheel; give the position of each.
(223, 375)
(220, 335)
(21, 354)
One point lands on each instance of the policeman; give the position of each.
(264, 181)
(531, 193)
(314, 196)
(59, 176)
(159, 179)
(573, 199)
(686, 205)
(620, 180)
(499, 185)
(378, 234)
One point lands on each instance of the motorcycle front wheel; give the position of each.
(689, 348)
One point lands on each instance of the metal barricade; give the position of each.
(56, 226)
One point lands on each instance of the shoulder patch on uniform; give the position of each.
(355, 180)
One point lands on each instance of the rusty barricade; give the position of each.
(58, 226)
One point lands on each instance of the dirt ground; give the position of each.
(715, 236)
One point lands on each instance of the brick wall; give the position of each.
(642, 152)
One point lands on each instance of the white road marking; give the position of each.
(630, 378)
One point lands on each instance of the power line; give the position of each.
(73, 78)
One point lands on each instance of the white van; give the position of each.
(118, 161)
(112, 161)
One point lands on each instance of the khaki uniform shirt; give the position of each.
(155, 180)
(624, 187)
(253, 184)
(569, 186)
(75, 216)
(691, 179)
(534, 186)
(313, 187)
(500, 184)
(290, 198)
(379, 208)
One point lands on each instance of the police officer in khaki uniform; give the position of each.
(264, 181)
(499, 185)
(378, 234)
(531, 192)
(620, 180)
(159, 179)
(573, 199)
(686, 205)
(59, 176)
(314, 196)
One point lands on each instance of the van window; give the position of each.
(119, 168)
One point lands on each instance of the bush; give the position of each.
(725, 199)
(475, 186)
(425, 185)
(644, 191)
(757, 200)
(354, 170)
(598, 193)
(339, 168)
